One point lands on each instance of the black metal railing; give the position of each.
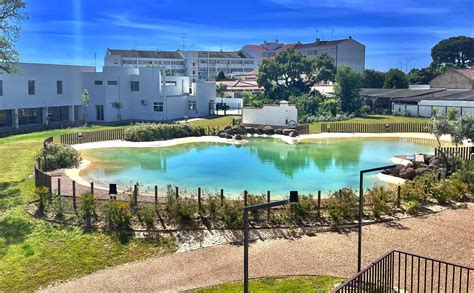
(399, 271)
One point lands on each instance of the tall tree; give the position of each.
(220, 90)
(372, 79)
(420, 76)
(220, 76)
(324, 68)
(395, 79)
(11, 13)
(347, 88)
(455, 50)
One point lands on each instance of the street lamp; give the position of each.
(292, 200)
(361, 210)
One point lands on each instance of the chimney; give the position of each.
(350, 37)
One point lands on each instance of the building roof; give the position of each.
(223, 54)
(446, 95)
(319, 43)
(397, 93)
(146, 54)
(469, 73)
(240, 85)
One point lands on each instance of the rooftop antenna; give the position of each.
(183, 36)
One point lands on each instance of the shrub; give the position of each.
(153, 132)
(365, 109)
(305, 206)
(419, 189)
(381, 199)
(147, 214)
(342, 205)
(87, 206)
(58, 206)
(118, 216)
(449, 190)
(211, 206)
(181, 210)
(44, 197)
(466, 174)
(412, 207)
(57, 156)
(254, 200)
(232, 213)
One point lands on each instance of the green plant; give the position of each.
(449, 190)
(465, 173)
(180, 210)
(56, 156)
(342, 205)
(381, 200)
(44, 196)
(153, 132)
(118, 216)
(147, 214)
(87, 209)
(412, 207)
(254, 200)
(305, 206)
(58, 206)
(231, 213)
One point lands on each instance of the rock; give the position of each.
(222, 134)
(239, 130)
(228, 136)
(227, 127)
(428, 159)
(238, 137)
(287, 131)
(278, 131)
(259, 131)
(229, 131)
(421, 171)
(250, 130)
(407, 173)
(268, 130)
(434, 161)
(293, 134)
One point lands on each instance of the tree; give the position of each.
(347, 89)
(289, 74)
(220, 90)
(372, 79)
(220, 76)
(324, 68)
(420, 76)
(11, 13)
(395, 79)
(85, 100)
(456, 50)
(256, 100)
(307, 104)
(117, 105)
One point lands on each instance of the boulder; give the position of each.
(222, 134)
(293, 134)
(238, 137)
(250, 130)
(395, 171)
(239, 130)
(229, 131)
(434, 162)
(259, 131)
(421, 171)
(407, 173)
(287, 131)
(228, 136)
(268, 130)
(278, 131)
(428, 159)
(227, 127)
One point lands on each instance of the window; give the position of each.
(99, 111)
(248, 62)
(58, 114)
(31, 87)
(98, 82)
(134, 86)
(1, 87)
(158, 107)
(194, 72)
(30, 116)
(59, 87)
(192, 105)
(6, 118)
(194, 63)
(112, 82)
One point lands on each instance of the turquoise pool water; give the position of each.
(262, 164)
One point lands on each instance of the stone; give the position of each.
(428, 159)
(278, 131)
(293, 134)
(268, 130)
(250, 130)
(407, 173)
(421, 171)
(434, 161)
(259, 131)
(227, 127)
(238, 137)
(229, 131)
(228, 136)
(222, 134)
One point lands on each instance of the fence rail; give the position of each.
(399, 271)
(92, 136)
(463, 152)
(375, 128)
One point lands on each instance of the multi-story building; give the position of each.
(348, 52)
(196, 64)
(45, 93)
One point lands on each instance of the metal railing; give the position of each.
(399, 271)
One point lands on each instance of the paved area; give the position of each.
(448, 235)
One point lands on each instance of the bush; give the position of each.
(342, 205)
(254, 200)
(381, 199)
(326, 118)
(44, 197)
(147, 214)
(232, 214)
(118, 216)
(412, 207)
(87, 208)
(181, 210)
(466, 174)
(58, 156)
(305, 206)
(153, 132)
(419, 189)
(365, 109)
(58, 206)
(449, 190)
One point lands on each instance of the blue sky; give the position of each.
(73, 31)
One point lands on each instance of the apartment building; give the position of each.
(49, 94)
(204, 65)
(347, 52)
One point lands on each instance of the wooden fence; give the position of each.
(463, 152)
(375, 128)
(92, 136)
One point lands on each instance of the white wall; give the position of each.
(351, 53)
(274, 115)
(441, 106)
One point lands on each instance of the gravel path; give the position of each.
(448, 235)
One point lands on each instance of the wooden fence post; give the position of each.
(135, 195)
(319, 203)
(74, 206)
(92, 188)
(59, 186)
(199, 198)
(177, 192)
(245, 197)
(222, 196)
(399, 187)
(156, 196)
(268, 201)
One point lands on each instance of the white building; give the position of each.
(45, 93)
(347, 52)
(282, 115)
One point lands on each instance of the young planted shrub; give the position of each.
(381, 199)
(305, 206)
(58, 206)
(44, 197)
(118, 216)
(450, 190)
(254, 200)
(87, 209)
(180, 210)
(232, 213)
(342, 205)
(211, 206)
(153, 132)
(466, 174)
(57, 156)
(412, 207)
(148, 215)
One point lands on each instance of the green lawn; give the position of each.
(290, 284)
(373, 119)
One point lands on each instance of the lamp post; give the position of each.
(361, 210)
(293, 200)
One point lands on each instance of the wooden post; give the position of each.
(59, 186)
(74, 194)
(222, 196)
(135, 195)
(177, 192)
(319, 203)
(156, 196)
(245, 197)
(398, 195)
(92, 187)
(268, 201)
(199, 198)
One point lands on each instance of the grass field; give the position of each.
(290, 284)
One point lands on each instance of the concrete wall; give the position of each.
(275, 115)
(452, 80)
(351, 53)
